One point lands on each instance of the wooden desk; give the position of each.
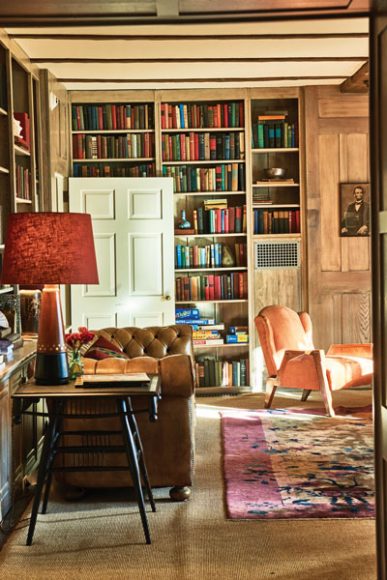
(56, 397)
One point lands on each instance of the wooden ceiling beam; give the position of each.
(198, 80)
(358, 82)
(50, 60)
(168, 37)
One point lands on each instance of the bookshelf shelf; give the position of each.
(115, 160)
(275, 236)
(21, 151)
(208, 391)
(6, 290)
(205, 162)
(275, 205)
(111, 131)
(276, 185)
(221, 346)
(208, 193)
(210, 235)
(222, 269)
(235, 301)
(275, 150)
(4, 170)
(21, 200)
(204, 130)
(3, 112)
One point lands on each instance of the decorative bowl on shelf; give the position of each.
(277, 172)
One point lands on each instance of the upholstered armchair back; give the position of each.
(279, 329)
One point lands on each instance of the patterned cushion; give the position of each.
(103, 348)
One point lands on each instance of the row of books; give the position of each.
(107, 170)
(231, 220)
(23, 182)
(225, 177)
(112, 116)
(211, 372)
(230, 286)
(275, 134)
(268, 221)
(207, 256)
(203, 146)
(202, 115)
(131, 145)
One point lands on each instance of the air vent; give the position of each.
(277, 254)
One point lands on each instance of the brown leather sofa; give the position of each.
(168, 442)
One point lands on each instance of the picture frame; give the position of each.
(354, 209)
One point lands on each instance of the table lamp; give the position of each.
(50, 249)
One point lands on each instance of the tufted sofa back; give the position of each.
(154, 341)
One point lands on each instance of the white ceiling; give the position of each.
(199, 55)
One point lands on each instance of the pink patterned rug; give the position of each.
(294, 463)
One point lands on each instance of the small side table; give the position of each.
(56, 397)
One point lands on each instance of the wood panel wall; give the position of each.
(339, 277)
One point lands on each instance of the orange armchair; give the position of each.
(293, 362)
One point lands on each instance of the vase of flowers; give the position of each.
(74, 341)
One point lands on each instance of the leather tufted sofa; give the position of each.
(168, 442)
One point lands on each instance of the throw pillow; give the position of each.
(104, 348)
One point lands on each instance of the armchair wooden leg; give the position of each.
(271, 388)
(305, 395)
(323, 382)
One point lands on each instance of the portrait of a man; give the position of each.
(355, 209)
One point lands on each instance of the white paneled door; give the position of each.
(133, 233)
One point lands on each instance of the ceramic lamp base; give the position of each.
(51, 369)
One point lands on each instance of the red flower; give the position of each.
(75, 339)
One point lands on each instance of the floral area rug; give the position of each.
(294, 463)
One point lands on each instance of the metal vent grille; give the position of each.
(277, 254)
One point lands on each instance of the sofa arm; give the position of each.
(357, 350)
(177, 377)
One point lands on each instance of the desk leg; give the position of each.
(131, 453)
(136, 433)
(52, 453)
(42, 471)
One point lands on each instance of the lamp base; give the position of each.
(51, 369)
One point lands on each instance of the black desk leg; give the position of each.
(144, 473)
(52, 454)
(131, 453)
(42, 471)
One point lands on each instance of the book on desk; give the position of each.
(112, 380)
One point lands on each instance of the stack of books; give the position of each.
(9, 341)
(205, 331)
(237, 335)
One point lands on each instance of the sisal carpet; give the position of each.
(100, 537)
(295, 464)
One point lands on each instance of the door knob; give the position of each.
(168, 297)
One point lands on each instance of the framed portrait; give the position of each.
(354, 209)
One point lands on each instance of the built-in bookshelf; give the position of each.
(275, 162)
(113, 139)
(203, 148)
(216, 146)
(19, 159)
(276, 202)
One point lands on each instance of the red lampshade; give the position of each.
(49, 248)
